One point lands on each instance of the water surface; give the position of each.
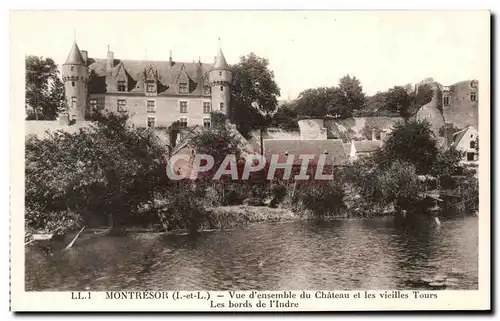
(337, 255)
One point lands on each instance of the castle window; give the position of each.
(93, 104)
(72, 68)
(151, 106)
(150, 87)
(221, 88)
(73, 102)
(121, 106)
(446, 101)
(121, 86)
(473, 96)
(472, 144)
(221, 106)
(206, 90)
(183, 122)
(183, 88)
(206, 123)
(206, 107)
(183, 107)
(470, 156)
(220, 73)
(151, 121)
(73, 84)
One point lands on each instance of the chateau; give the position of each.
(152, 93)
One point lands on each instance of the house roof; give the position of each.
(366, 146)
(458, 136)
(334, 148)
(167, 75)
(75, 56)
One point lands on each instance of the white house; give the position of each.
(363, 148)
(465, 141)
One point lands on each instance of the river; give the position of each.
(337, 255)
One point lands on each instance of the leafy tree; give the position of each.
(286, 117)
(399, 100)
(107, 168)
(411, 142)
(448, 163)
(44, 88)
(341, 101)
(376, 103)
(399, 185)
(319, 102)
(353, 97)
(405, 102)
(254, 93)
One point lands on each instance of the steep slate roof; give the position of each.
(220, 61)
(75, 56)
(334, 147)
(136, 70)
(367, 146)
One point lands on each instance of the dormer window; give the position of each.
(446, 101)
(206, 90)
(183, 88)
(121, 85)
(150, 86)
(473, 96)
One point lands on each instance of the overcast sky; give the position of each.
(305, 49)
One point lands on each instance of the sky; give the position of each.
(305, 49)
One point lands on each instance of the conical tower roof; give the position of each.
(220, 61)
(75, 56)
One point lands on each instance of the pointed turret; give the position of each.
(75, 56)
(75, 76)
(220, 78)
(220, 61)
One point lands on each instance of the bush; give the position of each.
(322, 199)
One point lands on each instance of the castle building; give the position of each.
(455, 105)
(152, 93)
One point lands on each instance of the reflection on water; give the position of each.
(344, 254)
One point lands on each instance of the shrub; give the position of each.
(322, 199)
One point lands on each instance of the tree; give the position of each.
(399, 100)
(411, 142)
(254, 93)
(353, 97)
(319, 102)
(286, 117)
(405, 102)
(44, 89)
(106, 168)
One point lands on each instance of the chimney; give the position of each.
(383, 135)
(84, 55)
(170, 58)
(374, 134)
(64, 119)
(110, 61)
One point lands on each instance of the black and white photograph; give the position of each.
(170, 154)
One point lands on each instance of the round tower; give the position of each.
(75, 77)
(220, 78)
